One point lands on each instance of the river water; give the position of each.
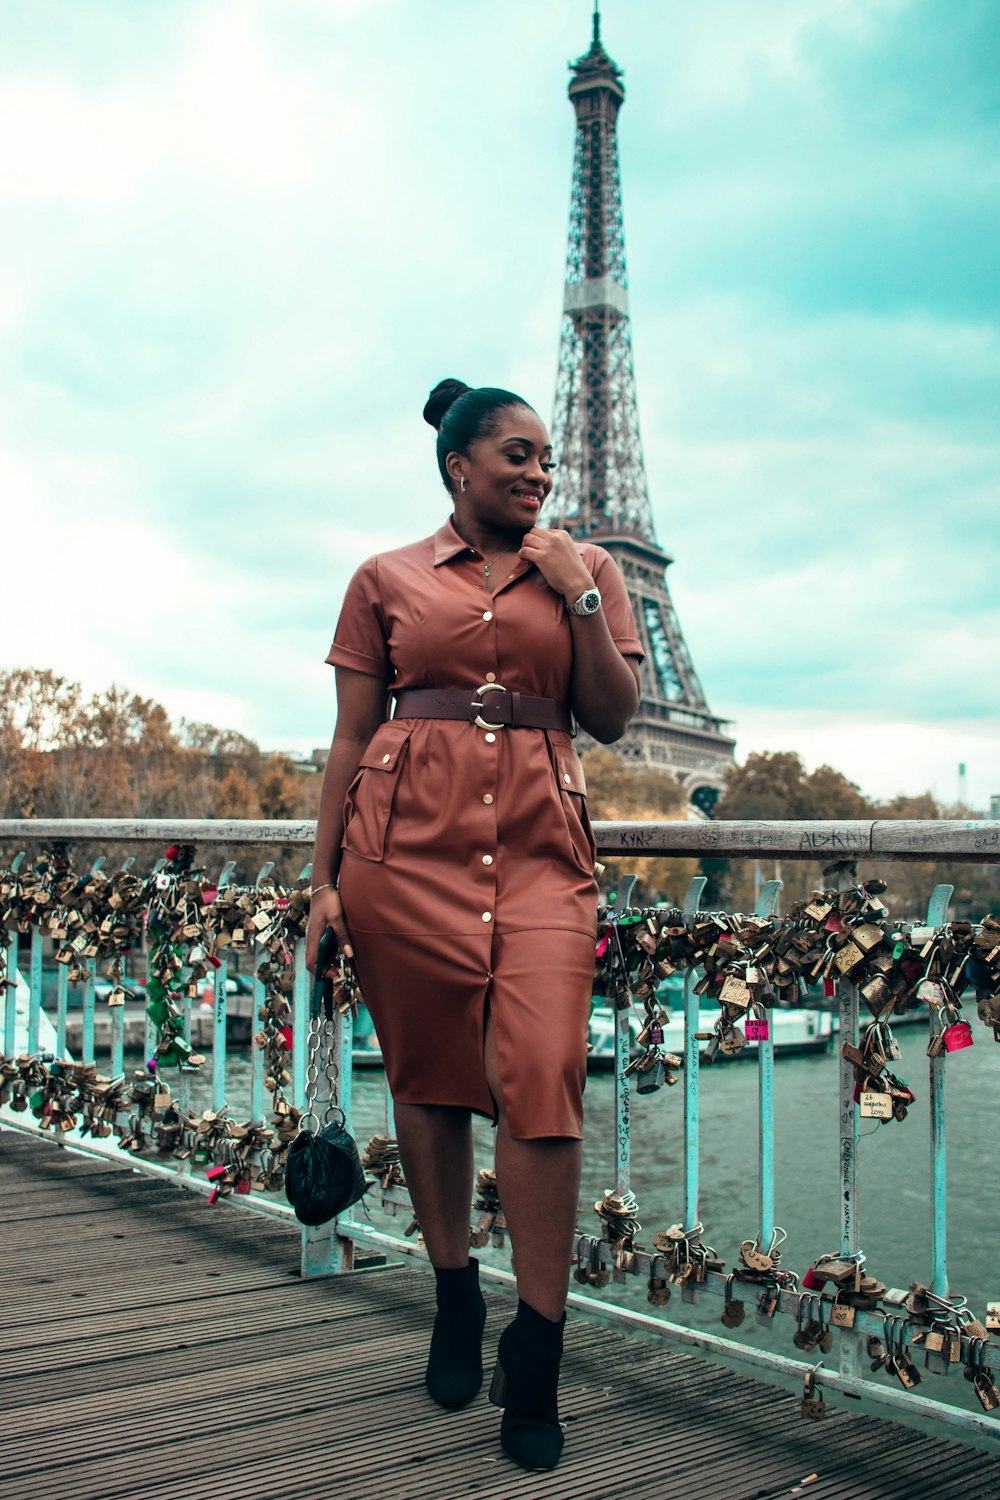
(894, 1165)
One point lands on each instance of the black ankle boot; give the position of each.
(525, 1382)
(455, 1362)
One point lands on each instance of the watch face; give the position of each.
(590, 602)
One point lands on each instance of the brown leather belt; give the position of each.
(505, 709)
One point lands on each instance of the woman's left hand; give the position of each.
(555, 555)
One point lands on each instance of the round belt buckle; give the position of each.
(487, 687)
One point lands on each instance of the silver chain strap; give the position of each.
(321, 1060)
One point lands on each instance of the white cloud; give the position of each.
(727, 46)
(883, 754)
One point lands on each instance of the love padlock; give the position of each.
(756, 1031)
(957, 1035)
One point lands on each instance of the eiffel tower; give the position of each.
(601, 493)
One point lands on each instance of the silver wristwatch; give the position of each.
(587, 604)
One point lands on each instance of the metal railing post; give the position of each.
(89, 1003)
(623, 1102)
(62, 1008)
(842, 877)
(259, 996)
(35, 983)
(767, 905)
(117, 1012)
(10, 1001)
(219, 1008)
(937, 915)
(692, 1063)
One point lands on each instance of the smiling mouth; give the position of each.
(528, 495)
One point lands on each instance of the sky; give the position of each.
(241, 239)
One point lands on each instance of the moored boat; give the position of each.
(793, 1032)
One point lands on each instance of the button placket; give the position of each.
(483, 859)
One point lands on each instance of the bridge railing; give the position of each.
(185, 918)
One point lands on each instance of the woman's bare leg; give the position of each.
(435, 1144)
(539, 1184)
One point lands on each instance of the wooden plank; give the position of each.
(207, 1371)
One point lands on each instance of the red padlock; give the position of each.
(957, 1035)
(813, 1281)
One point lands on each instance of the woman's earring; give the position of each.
(463, 484)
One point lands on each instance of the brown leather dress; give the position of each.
(467, 872)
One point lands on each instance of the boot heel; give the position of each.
(498, 1386)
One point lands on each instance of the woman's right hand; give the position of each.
(325, 911)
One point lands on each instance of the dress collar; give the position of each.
(448, 544)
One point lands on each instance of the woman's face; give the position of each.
(508, 472)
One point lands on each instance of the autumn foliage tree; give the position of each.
(117, 755)
(617, 792)
(776, 785)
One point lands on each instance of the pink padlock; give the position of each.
(813, 1282)
(957, 1035)
(756, 1031)
(214, 1196)
(214, 1173)
(602, 946)
(243, 1186)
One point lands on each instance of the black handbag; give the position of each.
(323, 1172)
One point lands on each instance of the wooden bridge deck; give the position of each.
(153, 1348)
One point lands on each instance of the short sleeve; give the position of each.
(360, 641)
(616, 604)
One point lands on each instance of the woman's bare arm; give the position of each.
(361, 708)
(604, 691)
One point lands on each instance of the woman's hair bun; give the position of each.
(440, 398)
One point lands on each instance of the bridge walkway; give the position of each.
(154, 1348)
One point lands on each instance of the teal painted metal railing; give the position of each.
(330, 1249)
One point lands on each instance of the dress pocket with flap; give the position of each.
(370, 796)
(573, 798)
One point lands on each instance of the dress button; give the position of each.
(386, 759)
(488, 797)
(491, 677)
(567, 778)
(487, 614)
(487, 916)
(490, 738)
(487, 859)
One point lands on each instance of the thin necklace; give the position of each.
(488, 565)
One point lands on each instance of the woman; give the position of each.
(457, 831)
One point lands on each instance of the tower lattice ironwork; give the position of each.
(601, 493)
